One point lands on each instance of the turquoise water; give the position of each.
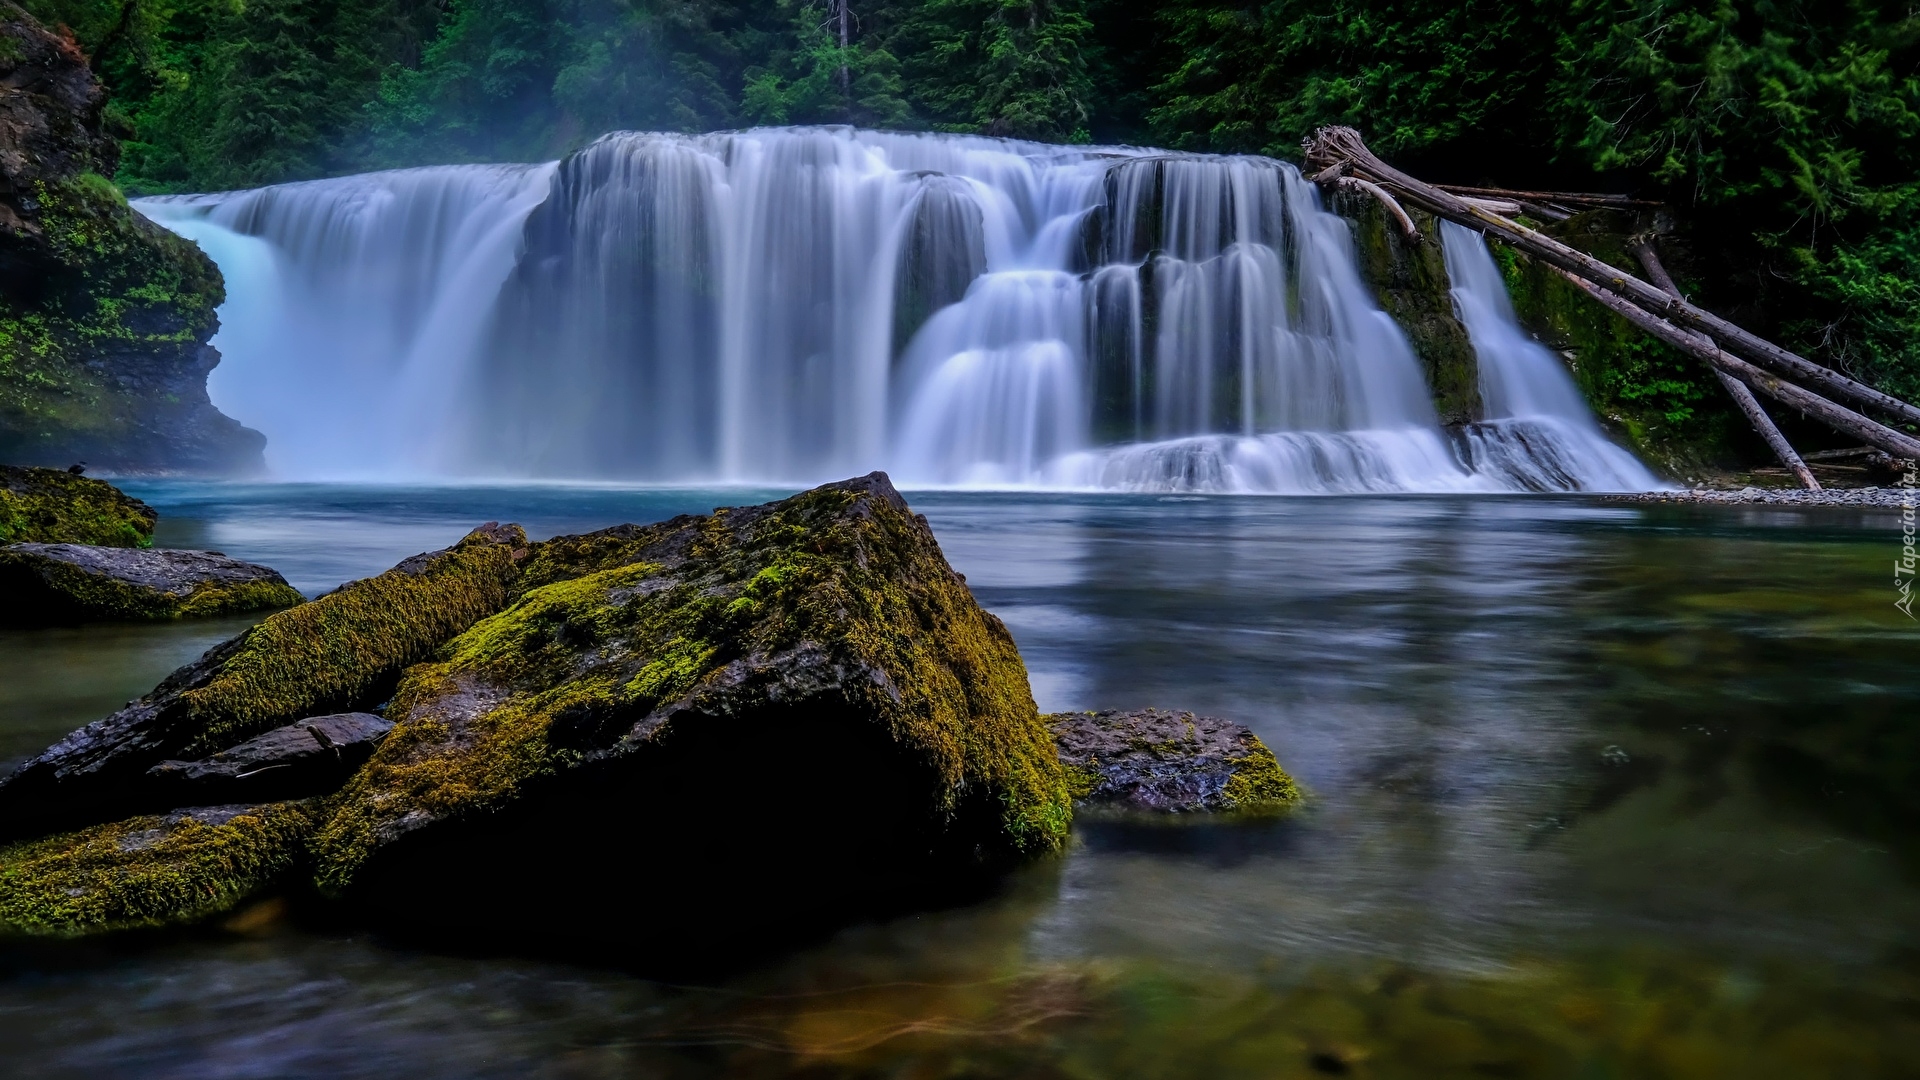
(1598, 790)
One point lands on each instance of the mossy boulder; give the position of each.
(801, 696)
(341, 652)
(67, 583)
(1158, 762)
(53, 506)
(148, 871)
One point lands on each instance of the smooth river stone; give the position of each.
(1168, 763)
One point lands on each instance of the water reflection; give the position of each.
(1596, 791)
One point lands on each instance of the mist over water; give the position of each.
(793, 305)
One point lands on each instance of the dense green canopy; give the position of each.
(1782, 131)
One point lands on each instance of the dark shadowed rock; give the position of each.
(148, 871)
(762, 717)
(66, 583)
(53, 506)
(311, 757)
(339, 653)
(1168, 763)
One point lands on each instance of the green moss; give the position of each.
(576, 664)
(1410, 281)
(148, 871)
(1259, 785)
(51, 506)
(335, 651)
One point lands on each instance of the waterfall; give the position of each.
(356, 307)
(1538, 427)
(789, 305)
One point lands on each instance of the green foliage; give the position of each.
(1025, 58)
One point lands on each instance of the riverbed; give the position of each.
(1597, 790)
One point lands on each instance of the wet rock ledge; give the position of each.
(44, 584)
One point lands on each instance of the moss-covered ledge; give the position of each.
(53, 506)
(161, 870)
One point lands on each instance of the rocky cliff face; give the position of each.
(104, 316)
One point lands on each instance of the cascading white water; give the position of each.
(787, 305)
(354, 305)
(1537, 424)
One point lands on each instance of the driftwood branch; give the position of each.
(1837, 417)
(1642, 249)
(1354, 183)
(1333, 145)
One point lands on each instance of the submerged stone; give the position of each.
(148, 871)
(341, 652)
(311, 757)
(1169, 763)
(64, 583)
(796, 708)
(53, 506)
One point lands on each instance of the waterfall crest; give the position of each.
(788, 305)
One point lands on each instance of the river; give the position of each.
(1596, 790)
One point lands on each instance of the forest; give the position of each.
(1782, 133)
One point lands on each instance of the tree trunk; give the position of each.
(1837, 417)
(1642, 249)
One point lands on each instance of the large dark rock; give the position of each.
(67, 583)
(104, 316)
(1169, 763)
(148, 871)
(764, 717)
(311, 757)
(54, 506)
(339, 653)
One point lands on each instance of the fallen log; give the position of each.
(1331, 146)
(1837, 417)
(1354, 183)
(1571, 198)
(1642, 249)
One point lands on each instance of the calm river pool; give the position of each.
(1597, 791)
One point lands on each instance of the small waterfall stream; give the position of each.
(791, 305)
(1528, 395)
